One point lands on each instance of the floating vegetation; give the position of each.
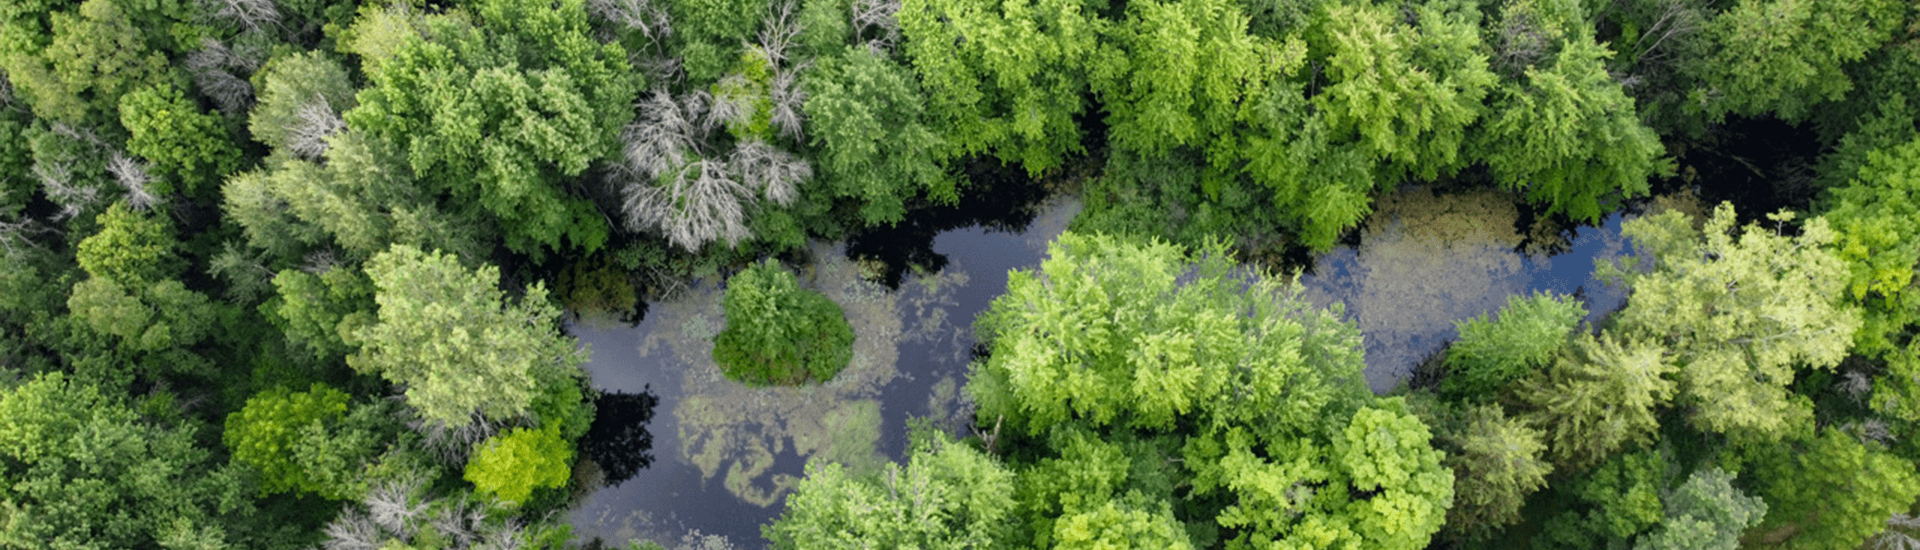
(1424, 261)
(737, 432)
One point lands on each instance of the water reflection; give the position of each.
(1426, 261)
(618, 441)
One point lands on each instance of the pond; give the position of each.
(723, 456)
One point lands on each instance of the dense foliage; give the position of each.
(290, 273)
(779, 333)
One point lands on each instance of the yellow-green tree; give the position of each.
(1739, 311)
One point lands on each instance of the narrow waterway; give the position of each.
(724, 456)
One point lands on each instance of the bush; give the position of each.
(778, 333)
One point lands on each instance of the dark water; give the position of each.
(1424, 264)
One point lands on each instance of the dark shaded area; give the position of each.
(618, 440)
(997, 196)
(1760, 165)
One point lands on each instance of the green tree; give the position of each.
(1610, 505)
(518, 461)
(501, 114)
(866, 115)
(305, 442)
(779, 333)
(1872, 217)
(948, 496)
(1830, 491)
(1785, 56)
(317, 312)
(1741, 312)
(1705, 513)
(131, 247)
(1491, 354)
(82, 470)
(1262, 388)
(1497, 462)
(449, 334)
(185, 143)
(1599, 396)
(1563, 130)
(73, 65)
(1404, 93)
(1004, 77)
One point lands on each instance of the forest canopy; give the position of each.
(287, 274)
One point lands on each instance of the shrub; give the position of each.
(778, 333)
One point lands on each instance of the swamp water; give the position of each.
(724, 455)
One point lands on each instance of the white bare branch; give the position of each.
(734, 104)
(781, 30)
(788, 100)
(775, 172)
(353, 531)
(313, 124)
(663, 135)
(132, 175)
(56, 180)
(251, 14)
(392, 507)
(699, 203)
(214, 67)
(877, 18)
(641, 15)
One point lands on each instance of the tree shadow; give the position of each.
(618, 440)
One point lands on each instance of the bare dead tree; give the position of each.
(17, 235)
(391, 505)
(449, 443)
(353, 530)
(699, 203)
(132, 174)
(877, 19)
(650, 20)
(788, 100)
(664, 133)
(251, 14)
(56, 180)
(773, 171)
(779, 34)
(313, 124)
(216, 69)
(1896, 536)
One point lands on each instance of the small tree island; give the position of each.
(778, 333)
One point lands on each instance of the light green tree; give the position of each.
(453, 339)
(305, 442)
(318, 312)
(518, 461)
(948, 496)
(1493, 353)
(1262, 388)
(1599, 396)
(1871, 218)
(1499, 462)
(1740, 310)
(73, 65)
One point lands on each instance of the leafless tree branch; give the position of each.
(313, 124)
(132, 175)
(775, 172)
